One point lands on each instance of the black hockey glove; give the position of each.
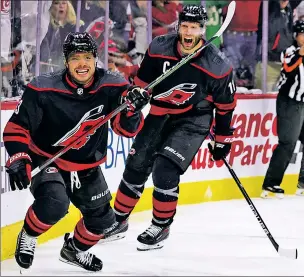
(19, 168)
(137, 98)
(221, 146)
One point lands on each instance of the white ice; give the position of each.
(214, 239)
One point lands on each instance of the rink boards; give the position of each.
(255, 122)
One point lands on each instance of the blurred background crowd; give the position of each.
(32, 33)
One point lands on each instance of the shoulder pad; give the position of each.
(163, 45)
(49, 81)
(111, 78)
(214, 62)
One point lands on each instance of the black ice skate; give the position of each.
(116, 232)
(300, 190)
(276, 190)
(152, 238)
(25, 249)
(70, 255)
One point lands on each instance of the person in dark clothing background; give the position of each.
(290, 114)
(280, 23)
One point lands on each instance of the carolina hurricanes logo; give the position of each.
(51, 170)
(177, 95)
(90, 119)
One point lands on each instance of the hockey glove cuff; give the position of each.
(221, 146)
(19, 168)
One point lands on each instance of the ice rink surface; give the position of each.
(209, 239)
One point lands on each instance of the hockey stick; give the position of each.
(289, 253)
(230, 13)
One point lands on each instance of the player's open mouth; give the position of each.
(82, 71)
(188, 41)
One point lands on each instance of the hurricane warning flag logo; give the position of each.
(177, 95)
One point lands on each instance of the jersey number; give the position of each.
(232, 87)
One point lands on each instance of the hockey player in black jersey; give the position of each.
(56, 109)
(181, 114)
(290, 115)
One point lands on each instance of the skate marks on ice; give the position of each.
(210, 239)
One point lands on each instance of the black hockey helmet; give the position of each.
(298, 27)
(193, 13)
(79, 42)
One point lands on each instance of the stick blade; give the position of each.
(229, 16)
(288, 253)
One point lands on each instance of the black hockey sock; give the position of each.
(166, 177)
(32, 225)
(164, 206)
(126, 199)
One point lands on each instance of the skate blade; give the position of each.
(300, 192)
(74, 264)
(268, 195)
(147, 247)
(24, 271)
(113, 238)
(70, 263)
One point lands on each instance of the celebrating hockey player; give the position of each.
(179, 120)
(290, 114)
(55, 110)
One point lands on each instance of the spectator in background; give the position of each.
(139, 24)
(62, 22)
(280, 37)
(90, 10)
(164, 16)
(130, 25)
(6, 63)
(240, 40)
(300, 11)
(214, 11)
(121, 62)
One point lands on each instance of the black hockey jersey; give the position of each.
(54, 111)
(207, 77)
(291, 81)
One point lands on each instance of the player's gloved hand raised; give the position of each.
(221, 146)
(19, 168)
(137, 98)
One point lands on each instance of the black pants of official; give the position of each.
(290, 119)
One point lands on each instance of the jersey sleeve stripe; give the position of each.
(227, 106)
(15, 133)
(15, 129)
(120, 131)
(16, 139)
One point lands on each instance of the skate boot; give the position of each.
(152, 238)
(70, 255)
(276, 190)
(116, 232)
(300, 190)
(25, 249)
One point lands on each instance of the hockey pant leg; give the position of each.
(173, 159)
(90, 194)
(51, 202)
(139, 165)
